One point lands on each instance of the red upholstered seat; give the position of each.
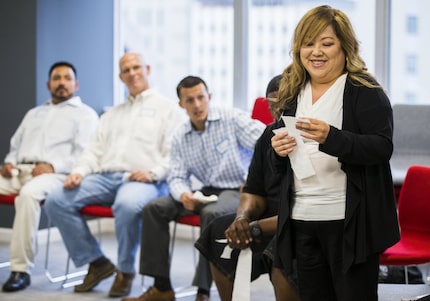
(7, 199)
(261, 111)
(414, 216)
(97, 211)
(191, 220)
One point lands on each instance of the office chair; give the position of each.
(414, 212)
(10, 201)
(95, 211)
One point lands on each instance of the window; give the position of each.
(269, 44)
(409, 63)
(410, 97)
(412, 24)
(192, 37)
(237, 59)
(198, 37)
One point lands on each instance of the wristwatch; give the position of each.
(256, 231)
(153, 176)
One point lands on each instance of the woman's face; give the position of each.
(323, 57)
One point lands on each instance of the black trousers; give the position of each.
(318, 246)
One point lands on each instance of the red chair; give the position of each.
(261, 111)
(10, 201)
(96, 211)
(7, 199)
(92, 211)
(193, 221)
(414, 213)
(190, 220)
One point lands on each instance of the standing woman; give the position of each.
(336, 221)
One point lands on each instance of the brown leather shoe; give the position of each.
(121, 285)
(153, 294)
(202, 297)
(94, 276)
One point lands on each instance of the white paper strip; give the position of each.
(299, 157)
(242, 281)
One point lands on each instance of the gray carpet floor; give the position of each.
(182, 274)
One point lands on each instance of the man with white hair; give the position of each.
(125, 167)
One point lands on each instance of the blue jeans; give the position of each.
(127, 199)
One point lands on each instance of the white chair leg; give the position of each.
(64, 277)
(406, 274)
(182, 292)
(4, 264)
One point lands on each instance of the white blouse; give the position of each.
(321, 197)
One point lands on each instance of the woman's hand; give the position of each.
(313, 129)
(283, 144)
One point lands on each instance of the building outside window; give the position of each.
(198, 37)
(409, 69)
(412, 24)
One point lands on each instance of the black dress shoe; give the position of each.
(17, 281)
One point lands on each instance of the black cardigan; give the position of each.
(363, 147)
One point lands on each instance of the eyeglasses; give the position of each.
(136, 68)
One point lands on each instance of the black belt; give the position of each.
(33, 162)
(208, 190)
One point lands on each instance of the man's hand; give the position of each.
(72, 181)
(190, 203)
(238, 234)
(42, 168)
(144, 176)
(6, 170)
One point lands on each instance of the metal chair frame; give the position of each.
(194, 222)
(96, 211)
(190, 220)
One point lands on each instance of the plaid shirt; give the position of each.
(216, 156)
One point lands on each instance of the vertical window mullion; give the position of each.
(240, 54)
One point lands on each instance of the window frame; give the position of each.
(240, 53)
